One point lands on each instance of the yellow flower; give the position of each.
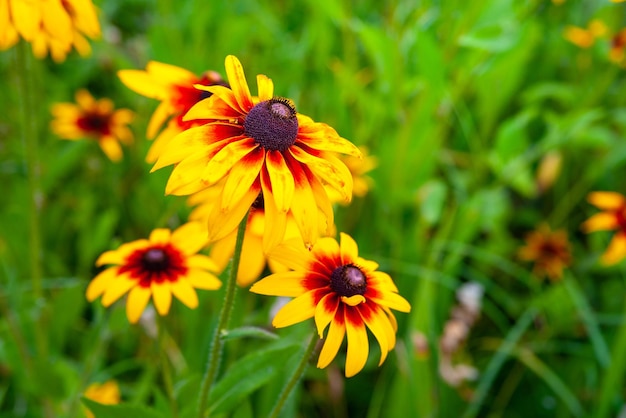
(261, 148)
(549, 250)
(618, 46)
(107, 393)
(612, 218)
(174, 87)
(167, 263)
(53, 26)
(93, 119)
(359, 167)
(585, 38)
(343, 292)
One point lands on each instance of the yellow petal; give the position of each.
(304, 209)
(281, 284)
(292, 254)
(117, 288)
(190, 237)
(275, 220)
(377, 322)
(26, 16)
(162, 296)
(226, 158)
(603, 221)
(281, 178)
(160, 115)
(100, 283)
(238, 84)
(221, 223)
(241, 177)
(265, 87)
(201, 261)
(137, 300)
(325, 312)
(393, 301)
(186, 176)
(329, 169)
(336, 333)
(222, 251)
(298, 310)
(349, 249)
(616, 251)
(184, 292)
(353, 300)
(111, 148)
(323, 202)
(253, 260)
(358, 345)
(201, 279)
(160, 236)
(607, 200)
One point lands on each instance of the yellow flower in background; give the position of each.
(166, 264)
(618, 46)
(50, 26)
(359, 167)
(260, 147)
(93, 119)
(343, 292)
(107, 393)
(585, 38)
(174, 87)
(612, 218)
(549, 250)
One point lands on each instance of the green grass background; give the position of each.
(458, 100)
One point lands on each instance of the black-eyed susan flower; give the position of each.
(585, 37)
(174, 87)
(549, 250)
(343, 292)
(163, 265)
(612, 218)
(54, 26)
(255, 259)
(259, 147)
(93, 119)
(359, 168)
(107, 393)
(618, 47)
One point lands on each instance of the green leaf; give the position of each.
(251, 332)
(120, 410)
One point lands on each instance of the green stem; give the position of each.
(165, 366)
(295, 377)
(215, 352)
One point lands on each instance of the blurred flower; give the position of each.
(52, 25)
(618, 45)
(548, 170)
(338, 288)
(612, 217)
(107, 393)
(585, 38)
(174, 87)
(262, 148)
(359, 167)
(157, 267)
(549, 250)
(93, 119)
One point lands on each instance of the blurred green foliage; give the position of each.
(459, 101)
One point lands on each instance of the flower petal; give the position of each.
(221, 222)
(292, 254)
(160, 236)
(238, 84)
(358, 345)
(329, 169)
(394, 301)
(336, 333)
(349, 249)
(254, 260)
(137, 300)
(616, 251)
(186, 176)
(201, 261)
(325, 311)
(184, 292)
(201, 279)
(281, 179)
(265, 87)
(603, 221)
(100, 283)
(227, 157)
(288, 284)
(607, 200)
(162, 296)
(275, 220)
(298, 310)
(241, 177)
(377, 322)
(190, 237)
(117, 288)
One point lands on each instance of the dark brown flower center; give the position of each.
(155, 259)
(155, 264)
(273, 124)
(348, 280)
(94, 123)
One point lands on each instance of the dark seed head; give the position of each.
(348, 280)
(155, 259)
(273, 124)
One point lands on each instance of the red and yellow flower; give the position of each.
(618, 47)
(612, 218)
(93, 119)
(53, 26)
(107, 393)
(163, 265)
(259, 148)
(549, 250)
(174, 87)
(342, 292)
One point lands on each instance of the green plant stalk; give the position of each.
(215, 353)
(295, 377)
(166, 370)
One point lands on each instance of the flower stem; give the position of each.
(165, 365)
(215, 353)
(295, 377)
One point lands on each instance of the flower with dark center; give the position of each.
(166, 264)
(93, 119)
(252, 144)
(343, 292)
(549, 250)
(174, 87)
(611, 218)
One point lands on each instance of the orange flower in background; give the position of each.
(585, 38)
(107, 393)
(612, 218)
(549, 250)
(359, 167)
(618, 46)
(259, 147)
(174, 87)
(93, 119)
(54, 26)
(166, 264)
(342, 292)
